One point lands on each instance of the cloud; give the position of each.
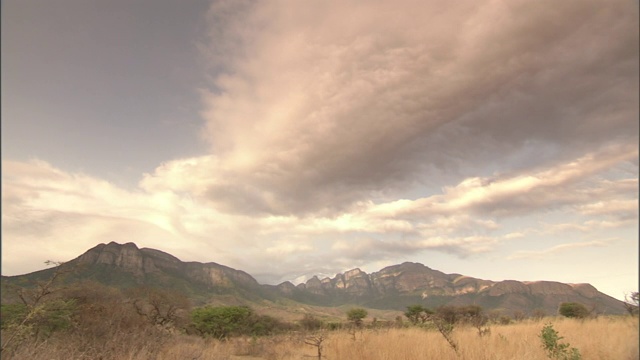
(315, 106)
(342, 134)
(558, 248)
(46, 207)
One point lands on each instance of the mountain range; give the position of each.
(392, 288)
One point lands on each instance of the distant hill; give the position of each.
(392, 288)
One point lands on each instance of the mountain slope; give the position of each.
(394, 287)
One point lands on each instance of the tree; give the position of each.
(356, 315)
(447, 314)
(417, 314)
(39, 312)
(160, 307)
(573, 310)
(631, 303)
(220, 322)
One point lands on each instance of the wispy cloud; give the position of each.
(557, 249)
(43, 203)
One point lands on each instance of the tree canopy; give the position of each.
(356, 315)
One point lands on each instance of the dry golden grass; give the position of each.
(602, 338)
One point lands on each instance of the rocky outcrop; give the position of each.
(145, 262)
(398, 285)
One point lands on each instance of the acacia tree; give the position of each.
(417, 314)
(356, 315)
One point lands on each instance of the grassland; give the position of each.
(600, 338)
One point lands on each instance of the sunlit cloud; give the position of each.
(558, 249)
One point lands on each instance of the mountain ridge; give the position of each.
(393, 287)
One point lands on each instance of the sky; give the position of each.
(494, 139)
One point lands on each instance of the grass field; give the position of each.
(602, 338)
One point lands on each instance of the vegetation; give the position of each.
(311, 323)
(554, 348)
(224, 321)
(601, 338)
(573, 310)
(631, 303)
(417, 314)
(89, 320)
(356, 315)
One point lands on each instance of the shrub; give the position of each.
(226, 321)
(539, 314)
(310, 322)
(554, 348)
(505, 320)
(573, 310)
(220, 322)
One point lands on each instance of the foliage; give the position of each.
(554, 348)
(573, 310)
(220, 322)
(471, 314)
(39, 314)
(12, 314)
(225, 321)
(310, 322)
(631, 303)
(356, 315)
(417, 314)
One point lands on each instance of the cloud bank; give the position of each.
(343, 134)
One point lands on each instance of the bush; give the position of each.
(12, 314)
(310, 322)
(573, 310)
(220, 322)
(226, 321)
(554, 348)
(505, 320)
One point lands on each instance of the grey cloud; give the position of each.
(382, 102)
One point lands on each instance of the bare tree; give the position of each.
(316, 341)
(36, 313)
(631, 302)
(160, 307)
